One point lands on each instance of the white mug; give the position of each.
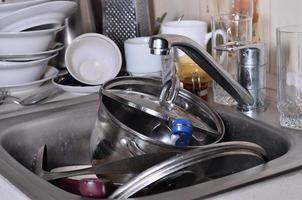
(139, 60)
(193, 29)
(196, 30)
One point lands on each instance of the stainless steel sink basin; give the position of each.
(65, 128)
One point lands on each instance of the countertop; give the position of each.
(286, 186)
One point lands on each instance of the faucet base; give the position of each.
(252, 111)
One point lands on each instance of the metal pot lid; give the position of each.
(150, 104)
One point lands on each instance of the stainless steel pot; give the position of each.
(122, 131)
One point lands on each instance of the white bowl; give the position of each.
(93, 59)
(16, 89)
(32, 56)
(13, 73)
(12, 5)
(28, 41)
(54, 12)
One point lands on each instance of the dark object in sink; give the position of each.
(177, 180)
(86, 187)
(67, 79)
(92, 187)
(42, 27)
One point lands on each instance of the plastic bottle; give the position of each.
(181, 132)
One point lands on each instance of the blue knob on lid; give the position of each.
(182, 128)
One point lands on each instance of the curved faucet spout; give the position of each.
(161, 45)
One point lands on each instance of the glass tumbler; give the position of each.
(289, 62)
(235, 30)
(242, 7)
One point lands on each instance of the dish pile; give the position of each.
(9, 6)
(27, 36)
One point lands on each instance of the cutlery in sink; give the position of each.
(32, 99)
(133, 165)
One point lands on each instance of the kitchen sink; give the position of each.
(65, 128)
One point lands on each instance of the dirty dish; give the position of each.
(27, 42)
(53, 12)
(22, 72)
(32, 56)
(11, 6)
(67, 83)
(93, 59)
(50, 73)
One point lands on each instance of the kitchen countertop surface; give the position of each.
(286, 186)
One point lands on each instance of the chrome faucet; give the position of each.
(165, 44)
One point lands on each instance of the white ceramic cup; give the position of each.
(193, 29)
(93, 59)
(139, 60)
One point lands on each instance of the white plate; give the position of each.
(53, 12)
(32, 56)
(80, 90)
(12, 5)
(50, 73)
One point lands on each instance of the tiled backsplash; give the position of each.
(272, 14)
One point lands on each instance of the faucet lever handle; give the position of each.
(257, 53)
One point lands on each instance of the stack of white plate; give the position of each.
(27, 36)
